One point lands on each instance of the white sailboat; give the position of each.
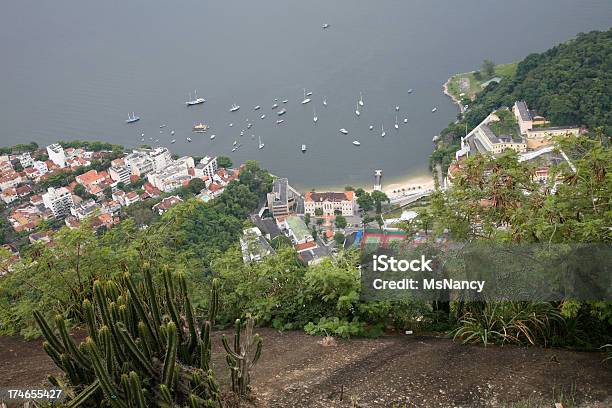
(261, 145)
(357, 110)
(371, 127)
(396, 124)
(397, 107)
(195, 100)
(257, 107)
(324, 101)
(132, 118)
(360, 99)
(383, 133)
(434, 109)
(262, 117)
(315, 118)
(234, 108)
(344, 131)
(306, 99)
(356, 143)
(278, 122)
(275, 106)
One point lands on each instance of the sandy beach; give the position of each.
(414, 183)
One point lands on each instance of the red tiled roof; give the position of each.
(305, 246)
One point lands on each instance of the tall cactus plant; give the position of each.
(243, 356)
(143, 349)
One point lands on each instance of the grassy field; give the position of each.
(466, 85)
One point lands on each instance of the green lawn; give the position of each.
(472, 86)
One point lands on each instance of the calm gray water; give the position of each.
(73, 69)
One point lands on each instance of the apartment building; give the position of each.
(58, 200)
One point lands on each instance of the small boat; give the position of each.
(189, 139)
(195, 100)
(212, 137)
(360, 99)
(200, 127)
(235, 143)
(163, 125)
(242, 133)
(383, 133)
(132, 118)
(250, 125)
(172, 132)
(306, 99)
(325, 26)
(236, 147)
(356, 143)
(371, 127)
(231, 125)
(357, 110)
(275, 106)
(434, 109)
(405, 120)
(257, 107)
(281, 112)
(278, 122)
(308, 93)
(234, 108)
(142, 135)
(142, 140)
(397, 108)
(343, 131)
(262, 117)
(173, 141)
(324, 101)
(410, 91)
(315, 118)
(396, 124)
(261, 145)
(285, 100)
(303, 148)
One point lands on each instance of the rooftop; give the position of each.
(329, 196)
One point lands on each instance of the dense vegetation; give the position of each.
(570, 84)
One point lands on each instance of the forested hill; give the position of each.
(570, 84)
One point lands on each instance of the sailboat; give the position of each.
(356, 143)
(281, 112)
(303, 148)
(173, 141)
(132, 118)
(383, 133)
(234, 108)
(306, 99)
(360, 99)
(278, 122)
(357, 110)
(195, 101)
(434, 109)
(315, 118)
(324, 101)
(371, 127)
(262, 117)
(397, 108)
(261, 145)
(275, 106)
(344, 131)
(396, 124)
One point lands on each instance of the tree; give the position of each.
(359, 192)
(108, 192)
(339, 238)
(314, 233)
(307, 218)
(488, 68)
(319, 221)
(378, 197)
(365, 202)
(349, 188)
(318, 212)
(80, 191)
(340, 222)
(224, 161)
(196, 185)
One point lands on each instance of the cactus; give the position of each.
(243, 356)
(142, 349)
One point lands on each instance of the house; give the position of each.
(10, 179)
(206, 167)
(254, 246)
(9, 195)
(330, 203)
(84, 209)
(295, 228)
(25, 218)
(90, 178)
(131, 198)
(151, 191)
(165, 204)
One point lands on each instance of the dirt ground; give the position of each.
(398, 371)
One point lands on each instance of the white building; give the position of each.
(330, 203)
(253, 245)
(161, 158)
(59, 201)
(41, 167)
(120, 174)
(25, 160)
(206, 167)
(56, 154)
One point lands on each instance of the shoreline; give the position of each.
(450, 95)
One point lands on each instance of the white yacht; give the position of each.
(172, 132)
(261, 145)
(212, 137)
(410, 91)
(189, 139)
(371, 127)
(275, 106)
(303, 148)
(306, 99)
(405, 120)
(231, 125)
(356, 143)
(281, 112)
(234, 108)
(344, 131)
(257, 107)
(325, 26)
(278, 122)
(235, 143)
(195, 100)
(397, 107)
(308, 93)
(173, 141)
(434, 109)
(285, 100)
(262, 117)
(360, 99)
